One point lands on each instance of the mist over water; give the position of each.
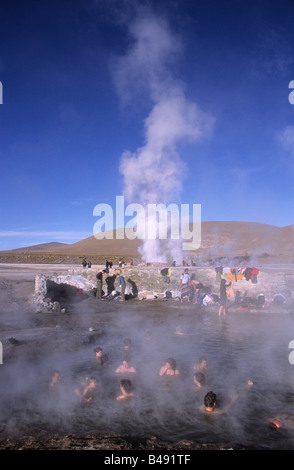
(237, 348)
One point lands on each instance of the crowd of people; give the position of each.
(191, 289)
(126, 372)
(87, 391)
(110, 281)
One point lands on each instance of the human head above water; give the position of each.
(127, 385)
(127, 343)
(171, 361)
(209, 399)
(91, 381)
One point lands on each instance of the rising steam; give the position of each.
(155, 172)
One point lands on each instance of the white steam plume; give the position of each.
(155, 172)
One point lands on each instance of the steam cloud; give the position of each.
(155, 172)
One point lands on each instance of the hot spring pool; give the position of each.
(238, 347)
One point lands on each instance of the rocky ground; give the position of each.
(109, 442)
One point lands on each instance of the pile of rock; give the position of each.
(46, 304)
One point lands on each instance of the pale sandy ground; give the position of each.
(28, 272)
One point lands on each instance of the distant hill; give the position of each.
(218, 240)
(42, 247)
(251, 238)
(91, 245)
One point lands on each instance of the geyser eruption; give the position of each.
(155, 172)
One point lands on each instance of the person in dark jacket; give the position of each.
(223, 297)
(110, 280)
(99, 277)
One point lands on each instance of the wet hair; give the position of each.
(98, 349)
(209, 399)
(127, 342)
(127, 385)
(171, 361)
(200, 377)
(92, 379)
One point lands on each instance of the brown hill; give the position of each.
(218, 239)
(93, 246)
(42, 247)
(246, 238)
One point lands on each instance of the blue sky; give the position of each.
(179, 101)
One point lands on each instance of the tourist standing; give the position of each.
(185, 285)
(223, 297)
(99, 277)
(122, 283)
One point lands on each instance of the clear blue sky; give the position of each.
(183, 100)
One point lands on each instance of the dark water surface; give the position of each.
(238, 348)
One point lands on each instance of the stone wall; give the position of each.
(270, 281)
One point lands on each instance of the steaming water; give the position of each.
(237, 348)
